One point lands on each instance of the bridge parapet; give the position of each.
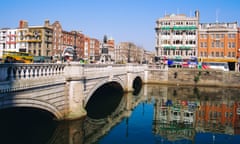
(96, 70)
(135, 68)
(158, 67)
(29, 71)
(23, 76)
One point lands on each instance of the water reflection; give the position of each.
(183, 112)
(157, 114)
(180, 114)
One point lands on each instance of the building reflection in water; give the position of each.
(180, 113)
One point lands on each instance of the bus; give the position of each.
(16, 57)
(219, 61)
(191, 62)
(215, 65)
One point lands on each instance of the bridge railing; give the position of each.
(93, 70)
(22, 76)
(29, 71)
(158, 67)
(9, 72)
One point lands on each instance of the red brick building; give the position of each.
(218, 41)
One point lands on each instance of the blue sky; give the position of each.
(123, 20)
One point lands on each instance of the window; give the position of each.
(229, 44)
(231, 35)
(222, 44)
(233, 54)
(222, 55)
(217, 44)
(229, 54)
(226, 114)
(213, 44)
(205, 44)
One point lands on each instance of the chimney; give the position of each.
(46, 23)
(23, 24)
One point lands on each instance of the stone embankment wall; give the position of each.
(180, 76)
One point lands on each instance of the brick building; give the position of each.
(218, 41)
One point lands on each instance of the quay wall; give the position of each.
(181, 76)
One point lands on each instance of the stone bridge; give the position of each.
(63, 89)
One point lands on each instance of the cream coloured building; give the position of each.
(177, 35)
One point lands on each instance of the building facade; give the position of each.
(8, 40)
(128, 52)
(238, 49)
(218, 40)
(48, 41)
(57, 39)
(177, 35)
(93, 51)
(40, 40)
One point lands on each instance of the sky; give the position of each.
(123, 20)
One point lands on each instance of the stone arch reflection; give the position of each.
(137, 85)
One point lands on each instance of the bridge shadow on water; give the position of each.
(25, 126)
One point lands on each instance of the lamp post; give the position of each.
(129, 46)
(75, 46)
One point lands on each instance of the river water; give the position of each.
(156, 114)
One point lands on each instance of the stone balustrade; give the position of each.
(15, 77)
(29, 71)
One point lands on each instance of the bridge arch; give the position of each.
(101, 83)
(34, 104)
(105, 100)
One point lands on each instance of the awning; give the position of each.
(169, 47)
(184, 47)
(165, 28)
(184, 27)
